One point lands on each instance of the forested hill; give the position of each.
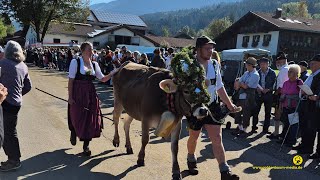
(199, 18)
(140, 7)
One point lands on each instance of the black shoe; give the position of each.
(304, 151)
(254, 129)
(314, 156)
(227, 175)
(86, 152)
(73, 139)
(193, 169)
(228, 125)
(10, 165)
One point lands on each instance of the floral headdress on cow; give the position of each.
(189, 74)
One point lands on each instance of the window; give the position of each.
(56, 40)
(95, 44)
(266, 40)
(255, 40)
(245, 41)
(75, 41)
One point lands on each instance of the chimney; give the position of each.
(278, 13)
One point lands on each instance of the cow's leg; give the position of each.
(116, 116)
(175, 136)
(145, 141)
(127, 130)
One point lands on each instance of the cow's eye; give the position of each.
(186, 92)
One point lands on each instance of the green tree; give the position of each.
(5, 29)
(217, 26)
(165, 31)
(40, 13)
(296, 9)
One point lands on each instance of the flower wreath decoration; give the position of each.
(189, 74)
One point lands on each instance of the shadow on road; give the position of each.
(60, 165)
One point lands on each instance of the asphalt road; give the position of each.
(47, 153)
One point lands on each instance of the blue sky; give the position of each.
(99, 1)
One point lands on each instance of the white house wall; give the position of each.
(273, 44)
(31, 36)
(123, 32)
(63, 38)
(103, 38)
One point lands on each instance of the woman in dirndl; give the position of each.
(84, 113)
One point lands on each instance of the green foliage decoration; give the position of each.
(189, 74)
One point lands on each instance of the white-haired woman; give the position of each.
(289, 100)
(14, 76)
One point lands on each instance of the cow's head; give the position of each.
(186, 103)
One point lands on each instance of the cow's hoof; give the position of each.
(116, 143)
(176, 177)
(228, 125)
(129, 151)
(140, 163)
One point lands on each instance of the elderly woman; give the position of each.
(288, 101)
(15, 77)
(84, 112)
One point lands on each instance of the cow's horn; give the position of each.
(168, 86)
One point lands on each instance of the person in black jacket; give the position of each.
(158, 61)
(264, 94)
(310, 111)
(304, 73)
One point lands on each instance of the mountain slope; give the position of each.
(140, 7)
(198, 19)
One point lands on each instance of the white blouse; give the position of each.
(74, 65)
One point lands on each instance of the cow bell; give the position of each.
(167, 124)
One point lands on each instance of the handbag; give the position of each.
(294, 117)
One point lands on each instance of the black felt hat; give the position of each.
(203, 40)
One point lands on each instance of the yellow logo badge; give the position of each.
(297, 160)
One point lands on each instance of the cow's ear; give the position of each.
(168, 86)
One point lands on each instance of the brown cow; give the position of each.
(137, 91)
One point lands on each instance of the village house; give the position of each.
(105, 28)
(298, 37)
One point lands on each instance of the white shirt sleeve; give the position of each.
(98, 72)
(219, 83)
(282, 77)
(73, 69)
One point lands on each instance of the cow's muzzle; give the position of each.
(200, 111)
